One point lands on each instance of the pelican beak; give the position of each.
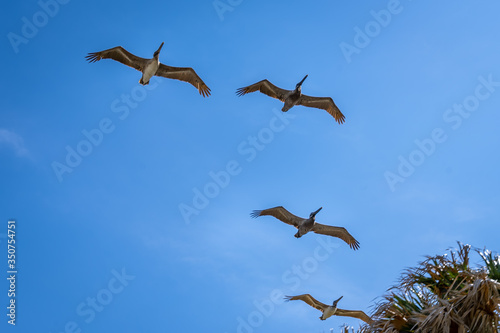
(158, 51)
(160, 47)
(316, 212)
(300, 83)
(335, 302)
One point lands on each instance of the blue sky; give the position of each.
(106, 247)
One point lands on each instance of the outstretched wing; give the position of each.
(186, 74)
(264, 87)
(325, 103)
(309, 300)
(281, 214)
(339, 232)
(354, 314)
(119, 54)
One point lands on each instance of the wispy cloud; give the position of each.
(14, 141)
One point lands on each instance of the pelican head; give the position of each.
(300, 83)
(336, 301)
(157, 53)
(313, 214)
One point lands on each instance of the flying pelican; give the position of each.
(151, 67)
(330, 310)
(294, 97)
(306, 225)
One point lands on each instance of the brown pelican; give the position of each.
(151, 67)
(306, 225)
(330, 310)
(294, 97)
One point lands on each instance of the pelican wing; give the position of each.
(186, 74)
(119, 54)
(281, 214)
(264, 87)
(339, 232)
(325, 103)
(354, 314)
(309, 300)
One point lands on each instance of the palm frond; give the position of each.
(443, 294)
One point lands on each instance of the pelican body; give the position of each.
(330, 310)
(294, 97)
(151, 67)
(309, 224)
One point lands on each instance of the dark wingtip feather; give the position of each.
(255, 213)
(92, 57)
(205, 91)
(355, 246)
(241, 91)
(341, 119)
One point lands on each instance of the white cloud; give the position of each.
(11, 139)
